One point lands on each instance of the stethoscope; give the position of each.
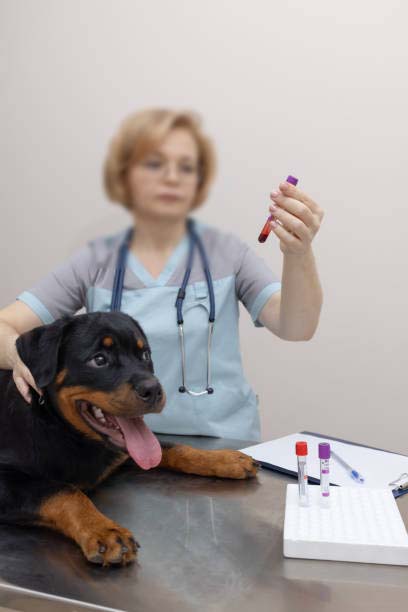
(117, 290)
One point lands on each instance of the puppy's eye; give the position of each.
(146, 356)
(99, 360)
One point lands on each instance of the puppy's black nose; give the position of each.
(149, 390)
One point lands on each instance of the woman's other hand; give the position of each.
(23, 377)
(15, 319)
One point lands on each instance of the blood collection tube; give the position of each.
(267, 227)
(324, 456)
(301, 452)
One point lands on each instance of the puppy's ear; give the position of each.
(140, 330)
(39, 347)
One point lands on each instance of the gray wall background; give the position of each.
(315, 89)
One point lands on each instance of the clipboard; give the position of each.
(400, 484)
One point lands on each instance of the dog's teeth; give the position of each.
(98, 413)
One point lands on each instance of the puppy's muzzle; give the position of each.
(151, 393)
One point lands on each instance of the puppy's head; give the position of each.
(98, 369)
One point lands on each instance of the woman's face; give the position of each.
(164, 183)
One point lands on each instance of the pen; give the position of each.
(301, 452)
(356, 476)
(266, 230)
(324, 456)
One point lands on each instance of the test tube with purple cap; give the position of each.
(266, 230)
(324, 456)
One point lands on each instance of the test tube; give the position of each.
(266, 230)
(301, 452)
(324, 456)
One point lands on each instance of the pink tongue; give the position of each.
(141, 443)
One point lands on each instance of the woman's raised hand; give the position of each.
(297, 219)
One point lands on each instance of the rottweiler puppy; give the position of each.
(98, 381)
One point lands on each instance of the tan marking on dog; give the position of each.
(73, 514)
(107, 341)
(111, 468)
(61, 376)
(140, 343)
(222, 463)
(122, 402)
(66, 403)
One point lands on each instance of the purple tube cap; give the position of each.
(292, 179)
(324, 450)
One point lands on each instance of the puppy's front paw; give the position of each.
(108, 544)
(222, 463)
(233, 464)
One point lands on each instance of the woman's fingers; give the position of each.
(291, 223)
(285, 235)
(297, 194)
(24, 380)
(23, 388)
(296, 209)
(31, 381)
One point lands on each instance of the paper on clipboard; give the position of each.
(378, 467)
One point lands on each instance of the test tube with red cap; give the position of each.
(301, 452)
(266, 230)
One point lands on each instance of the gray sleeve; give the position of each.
(255, 282)
(63, 291)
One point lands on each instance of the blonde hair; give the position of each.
(138, 134)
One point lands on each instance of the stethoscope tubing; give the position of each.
(117, 290)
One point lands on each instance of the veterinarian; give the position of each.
(160, 166)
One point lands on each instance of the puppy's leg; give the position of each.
(27, 501)
(222, 463)
(102, 540)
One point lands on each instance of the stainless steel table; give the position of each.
(206, 544)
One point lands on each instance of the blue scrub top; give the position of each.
(239, 274)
